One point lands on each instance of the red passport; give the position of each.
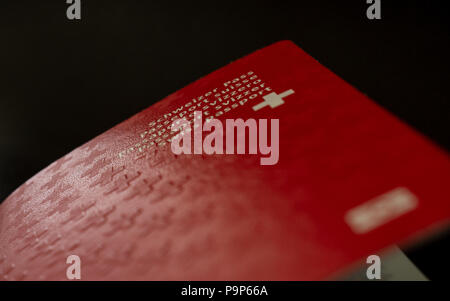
(350, 179)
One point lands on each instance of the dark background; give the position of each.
(64, 82)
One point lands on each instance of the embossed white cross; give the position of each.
(273, 100)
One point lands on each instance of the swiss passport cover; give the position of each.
(351, 179)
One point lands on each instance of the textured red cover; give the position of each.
(132, 210)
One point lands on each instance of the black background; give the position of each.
(64, 82)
